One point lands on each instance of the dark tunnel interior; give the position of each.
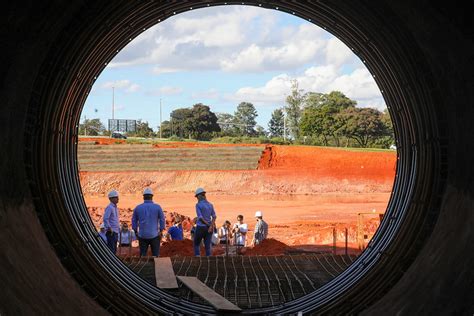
(420, 262)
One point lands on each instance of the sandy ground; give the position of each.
(277, 209)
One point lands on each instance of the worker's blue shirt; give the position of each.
(147, 218)
(176, 232)
(204, 210)
(111, 218)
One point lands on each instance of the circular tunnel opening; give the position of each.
(311, 196)
(308, 199)
(63, 214)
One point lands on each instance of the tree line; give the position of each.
(311, 118)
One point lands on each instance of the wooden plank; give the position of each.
(164, 274)
(219, 302)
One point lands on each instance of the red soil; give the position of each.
(268, 247)
(330, 162)
(102, 140)
(183, 248)
(304, 192)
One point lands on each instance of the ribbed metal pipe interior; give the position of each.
(56, 51)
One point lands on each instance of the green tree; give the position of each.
(276, 124)
(260, 131)
(388, 137)
(204, 122)
(244, 118)
(142, 130)
(181, 120)
(294, 106)
(362, 124)
(226, 123)
(92, 127)
(320, 118)
(312, 123)
(197, 122)
(165, 129)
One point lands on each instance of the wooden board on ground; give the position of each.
(164, 274)
(219, 302)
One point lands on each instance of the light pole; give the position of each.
(160, 120)
(113, 102)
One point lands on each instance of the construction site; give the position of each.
(418, 263)
(323, 205)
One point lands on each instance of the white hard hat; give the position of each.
(258, 213)
(199, 191)
(113, 194)
(147, 191)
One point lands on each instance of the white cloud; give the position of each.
(358, 85)
(169, 90)
(125, 85)
(233, 39)
(295, 47)
(272, 91)
(337, 53)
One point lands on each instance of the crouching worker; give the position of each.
(175, 232)
(146, 219)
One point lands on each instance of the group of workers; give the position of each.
(148, 226)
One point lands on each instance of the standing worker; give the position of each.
(240, 233)
(145, 221)
(111, 221)
(126, 237)
(261, 229)
(224, 233)
(205, 223)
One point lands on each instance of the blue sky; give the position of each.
(221, 56)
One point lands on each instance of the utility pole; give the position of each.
(160, 120)
(284, 127)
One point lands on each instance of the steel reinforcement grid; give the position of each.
(250, 281)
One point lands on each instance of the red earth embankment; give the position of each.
(282, 170)
(330, 162)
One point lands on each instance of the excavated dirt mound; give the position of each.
(268, 247)
(183, 248)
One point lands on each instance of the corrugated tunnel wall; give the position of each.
(422, 57)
